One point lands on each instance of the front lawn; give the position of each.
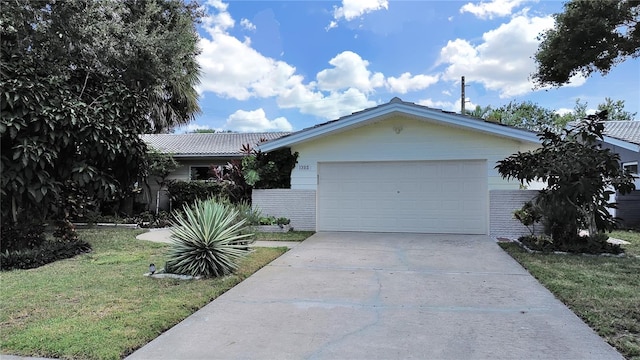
(98, 305)
(603, 291)
(283, 236)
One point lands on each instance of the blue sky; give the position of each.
(288, 65)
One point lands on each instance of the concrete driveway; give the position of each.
(385, 296)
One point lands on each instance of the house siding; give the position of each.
(629, 209)
(404, 139)
(628, 205)
(297, 205)
(626, 155)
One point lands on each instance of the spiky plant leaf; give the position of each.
(208, 240)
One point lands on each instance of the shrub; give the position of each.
(233, 182)
(22, 235)
(270, 170)
(528, 216)
(208, 240)
(46, 253)
(580, 177)
(596, 244)
(250, 214)
(185, 193)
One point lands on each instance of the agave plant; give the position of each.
(207, 240)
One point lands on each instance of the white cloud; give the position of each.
(489, 9)
(255, 121)
(503, 61)
(233, 69)
(407, 82)
(219, 21)
(447, 105)
(349, 70)
(247, 25)
(338, 104)
(352, 9)
(436, 104)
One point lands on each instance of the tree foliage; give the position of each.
(615, 110)
(159, 166)
(270, 170)
(589, 36)
(80, 81)
(526, 115)
(580, 177)
(479, 112)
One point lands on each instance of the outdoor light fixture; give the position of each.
(152, 268)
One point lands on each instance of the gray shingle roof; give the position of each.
(628, 131)
(214, 145)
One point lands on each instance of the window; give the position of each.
(632, 167)
(200, 173)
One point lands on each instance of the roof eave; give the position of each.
(621, 143)
(375, 113)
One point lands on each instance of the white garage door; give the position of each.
(412, 196)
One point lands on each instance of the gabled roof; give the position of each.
(625, 134)
(207, 145)
(398, 107)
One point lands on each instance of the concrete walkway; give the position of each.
(163, 236)
(385, 296)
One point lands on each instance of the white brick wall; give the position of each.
(300, 207)
(502, 205)
(297, 205)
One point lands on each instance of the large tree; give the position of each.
(526, 115)
(80, 81)
(580, 177)
(614, 110)
(589, 36)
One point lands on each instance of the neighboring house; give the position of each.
(197, 152)
(401, 167)
(623, 137)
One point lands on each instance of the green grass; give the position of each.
(283, 236)
(631, 236)
(98, 305)
(603, 291)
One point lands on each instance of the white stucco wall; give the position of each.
(403, 138)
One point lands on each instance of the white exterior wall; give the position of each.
(415, 140)
(502, 205)
(297, 205)
(181, 173)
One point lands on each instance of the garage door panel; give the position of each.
(416, 196)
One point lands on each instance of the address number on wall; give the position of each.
(303, 167)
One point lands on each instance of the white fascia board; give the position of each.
(621, 143)
(375, 113)
(477, 124)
